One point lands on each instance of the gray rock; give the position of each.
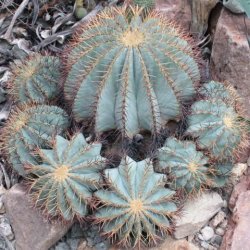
(2, 208)
(207, 233)
(32, 231)
(62, 246)
(220, 231)
(217, 239)
(224, 224)
(196, 213)
(218, 219)
(5, 228)
(204, 244)
(73, 243)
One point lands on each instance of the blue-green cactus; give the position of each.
(136, 207)
(29, 127)
(69, 173)
(187, 167)
(129, 73)
(217, 127)
(36, 79)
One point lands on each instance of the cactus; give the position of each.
(69, 173)
(216, 90)
(144, 3)
(217, 127)
(29, 127)
(187, 167)
(36, 80)
(129, 74)
(136, 207)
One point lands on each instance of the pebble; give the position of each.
(204, 244)
(219, 217)
(73, 243)
(223, 224)
(5, 229)
(62, 246)
(207, 233)
(2, 208)
(220, 231)
(217, 239)
(82, 245)
(239, 169)
(248, 162)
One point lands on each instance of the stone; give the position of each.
(230, 58)
(73, 243)
(237, 234)
(248, 162)
(218, 218)
(217, 239)
(31, 230)
(196, 213)
(82, 245)
(5, 229)
(239, 168)
(220, 231)
(204, 244)
(62, 246)
(207, 233)
(240, 188)
(2, 208)
(177, 10)
(224, 224)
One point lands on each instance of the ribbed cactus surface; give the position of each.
(136, 206)
(129, 73)
(36, 79)
(29, 127)
(68, 175)
(215, 121)
(187, 167)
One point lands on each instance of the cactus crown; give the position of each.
(36, 80)
(136, 206)
(29, 127)
(129, 73)
(68, 175)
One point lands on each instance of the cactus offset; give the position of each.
(187, 167)
(29, 127)
(136, 207)
(68, 175)
(36, 80)
(129, 73)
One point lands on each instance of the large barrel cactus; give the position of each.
(69, 173)
(30, 127)
(129, 73)
(136, 207)
(36, 80)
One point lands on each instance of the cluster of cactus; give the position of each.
(125, 74)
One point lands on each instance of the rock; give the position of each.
(32, 231)
(237, 235)
(240, 188)
(224, 224)
(178, 10)
(218, 219)
(230, 58)
(239, 168)
(62, 246)
(217, 239)
(5, 229)
(207, 233)
(196, 213)
(220, 231)
(73, 243)
(248, 162)
(204, 244)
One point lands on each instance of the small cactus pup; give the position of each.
(128, 72)
(216, 124)
(63, 183)
(28, 127)
(36, 79)
(188, 169)
(136, 207)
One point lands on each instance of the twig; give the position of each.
(17, 13)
